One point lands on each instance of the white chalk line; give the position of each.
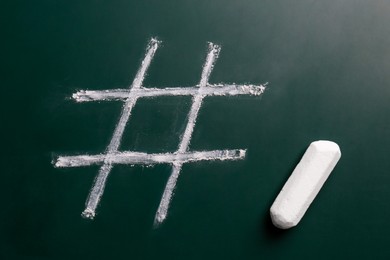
(163, 207)
(134, 158)
(209, 90)
(100, 181)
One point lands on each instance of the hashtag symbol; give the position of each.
(176, 159)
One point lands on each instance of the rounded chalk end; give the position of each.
(281, 220)
(325, 145)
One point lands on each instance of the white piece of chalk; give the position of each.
(304, 183)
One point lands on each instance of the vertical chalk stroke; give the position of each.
(130, 96)
(100, 181)
(162, 210)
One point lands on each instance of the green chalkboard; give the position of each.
(328, 68)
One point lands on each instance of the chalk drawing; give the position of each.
(176, 159)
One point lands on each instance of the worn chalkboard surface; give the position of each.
(328, 68)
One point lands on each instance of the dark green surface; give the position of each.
(328, 64)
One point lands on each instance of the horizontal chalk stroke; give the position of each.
(209, 90)
(148, 158)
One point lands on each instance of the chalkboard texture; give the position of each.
(328, 68)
